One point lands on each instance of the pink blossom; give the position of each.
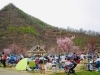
(65, 44)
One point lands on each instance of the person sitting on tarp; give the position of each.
(27, 67)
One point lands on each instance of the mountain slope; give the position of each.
(26, 31)
(16, 26)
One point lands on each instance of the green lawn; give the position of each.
(81, 73)
(0, 64)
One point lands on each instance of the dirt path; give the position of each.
(10, 72)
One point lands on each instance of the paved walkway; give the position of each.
(10, 72)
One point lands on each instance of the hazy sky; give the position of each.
(62, 13)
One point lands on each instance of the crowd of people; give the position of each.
(66, 61)
(51, 61)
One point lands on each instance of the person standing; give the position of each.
(4, 57)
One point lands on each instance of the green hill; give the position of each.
(26, 31)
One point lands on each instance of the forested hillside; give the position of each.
(24, 30)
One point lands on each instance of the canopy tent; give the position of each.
(22, 64)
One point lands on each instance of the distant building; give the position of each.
(36, 50)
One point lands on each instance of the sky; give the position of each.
(75, 14)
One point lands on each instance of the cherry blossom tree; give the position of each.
(92, 44)
(22, 51)
(75, 49)
(65, 44)
(14, 49)
(7, 51)
(51, 50)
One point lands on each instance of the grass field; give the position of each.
(81, 73)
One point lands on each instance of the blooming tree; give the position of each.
(22, 51)
(51, 50)
(7, 51)
(14, 49)
(92, 44)
(65, 44)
